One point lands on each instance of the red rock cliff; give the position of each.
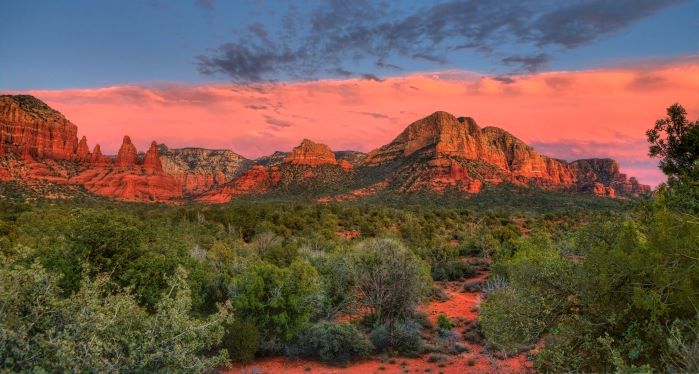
(128, 155)
(28, 123)
(311, 154)
(151, 161)
(441, 151)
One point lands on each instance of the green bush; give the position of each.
(405, 339)
(335, 343)
(241, 340)
(276, 300)
(443, 322)
(95, 330)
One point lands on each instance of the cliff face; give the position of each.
(308, 166)
(29, 125)
(199, 169)
(439, 152)
(442, 151)
(311, 154)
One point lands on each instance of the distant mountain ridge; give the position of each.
(437, 153)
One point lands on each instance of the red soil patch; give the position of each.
(460, 307)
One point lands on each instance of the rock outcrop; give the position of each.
(151, 160)
(437, 153)
(255, 181)
(441, 151)
(128, 155)
(96, 156)
(310, 153)
(28, 125)
(82, 152)
(199, 169)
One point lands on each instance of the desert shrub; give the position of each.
(439, 294)
(481, 243)
(241, 340)
(453, 269)
(336, 343)
(447, 342)
(435, 358)
(404, 338)
(473, 334)
(380, 338)
(274, 299)
(443, 322)
(389, 278)
(422, 320)
(474, 286)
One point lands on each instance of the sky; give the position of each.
(575, 79)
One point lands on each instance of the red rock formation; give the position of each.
(256, 180)
(199, 169)
(26, 153)
(346, 165)
(82, 152)
(27, 122)
(151, 161)
(454, 152)
(97, 158)
(127, 155)
(440, 152)
(311, 154)
(129, 184)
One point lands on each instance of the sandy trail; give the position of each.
(461, 306)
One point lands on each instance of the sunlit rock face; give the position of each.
(450, 152)
(437, 153)
(29, 125)
(199, 169)
(311, 154)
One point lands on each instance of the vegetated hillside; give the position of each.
(435, 154)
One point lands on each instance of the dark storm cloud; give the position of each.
(340, 32)
(504, 79)
(527, 63)
(583, 22)
(434, 59)
(383, 65)
(372, 77)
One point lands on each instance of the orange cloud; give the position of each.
(591, 113)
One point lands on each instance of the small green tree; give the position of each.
(675, 140)
(391, 281)
(276, 300)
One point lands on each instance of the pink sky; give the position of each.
(568, 115)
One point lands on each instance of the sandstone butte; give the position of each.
(311, 154)
(438, 152)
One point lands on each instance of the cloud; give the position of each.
(527, 63)
(383, 65)
(278, 122)
(256, 107)
(372, 77)
(372, 114)
(428, 58)
(336, 32)
(583, 22)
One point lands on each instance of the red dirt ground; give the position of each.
(461, 306)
